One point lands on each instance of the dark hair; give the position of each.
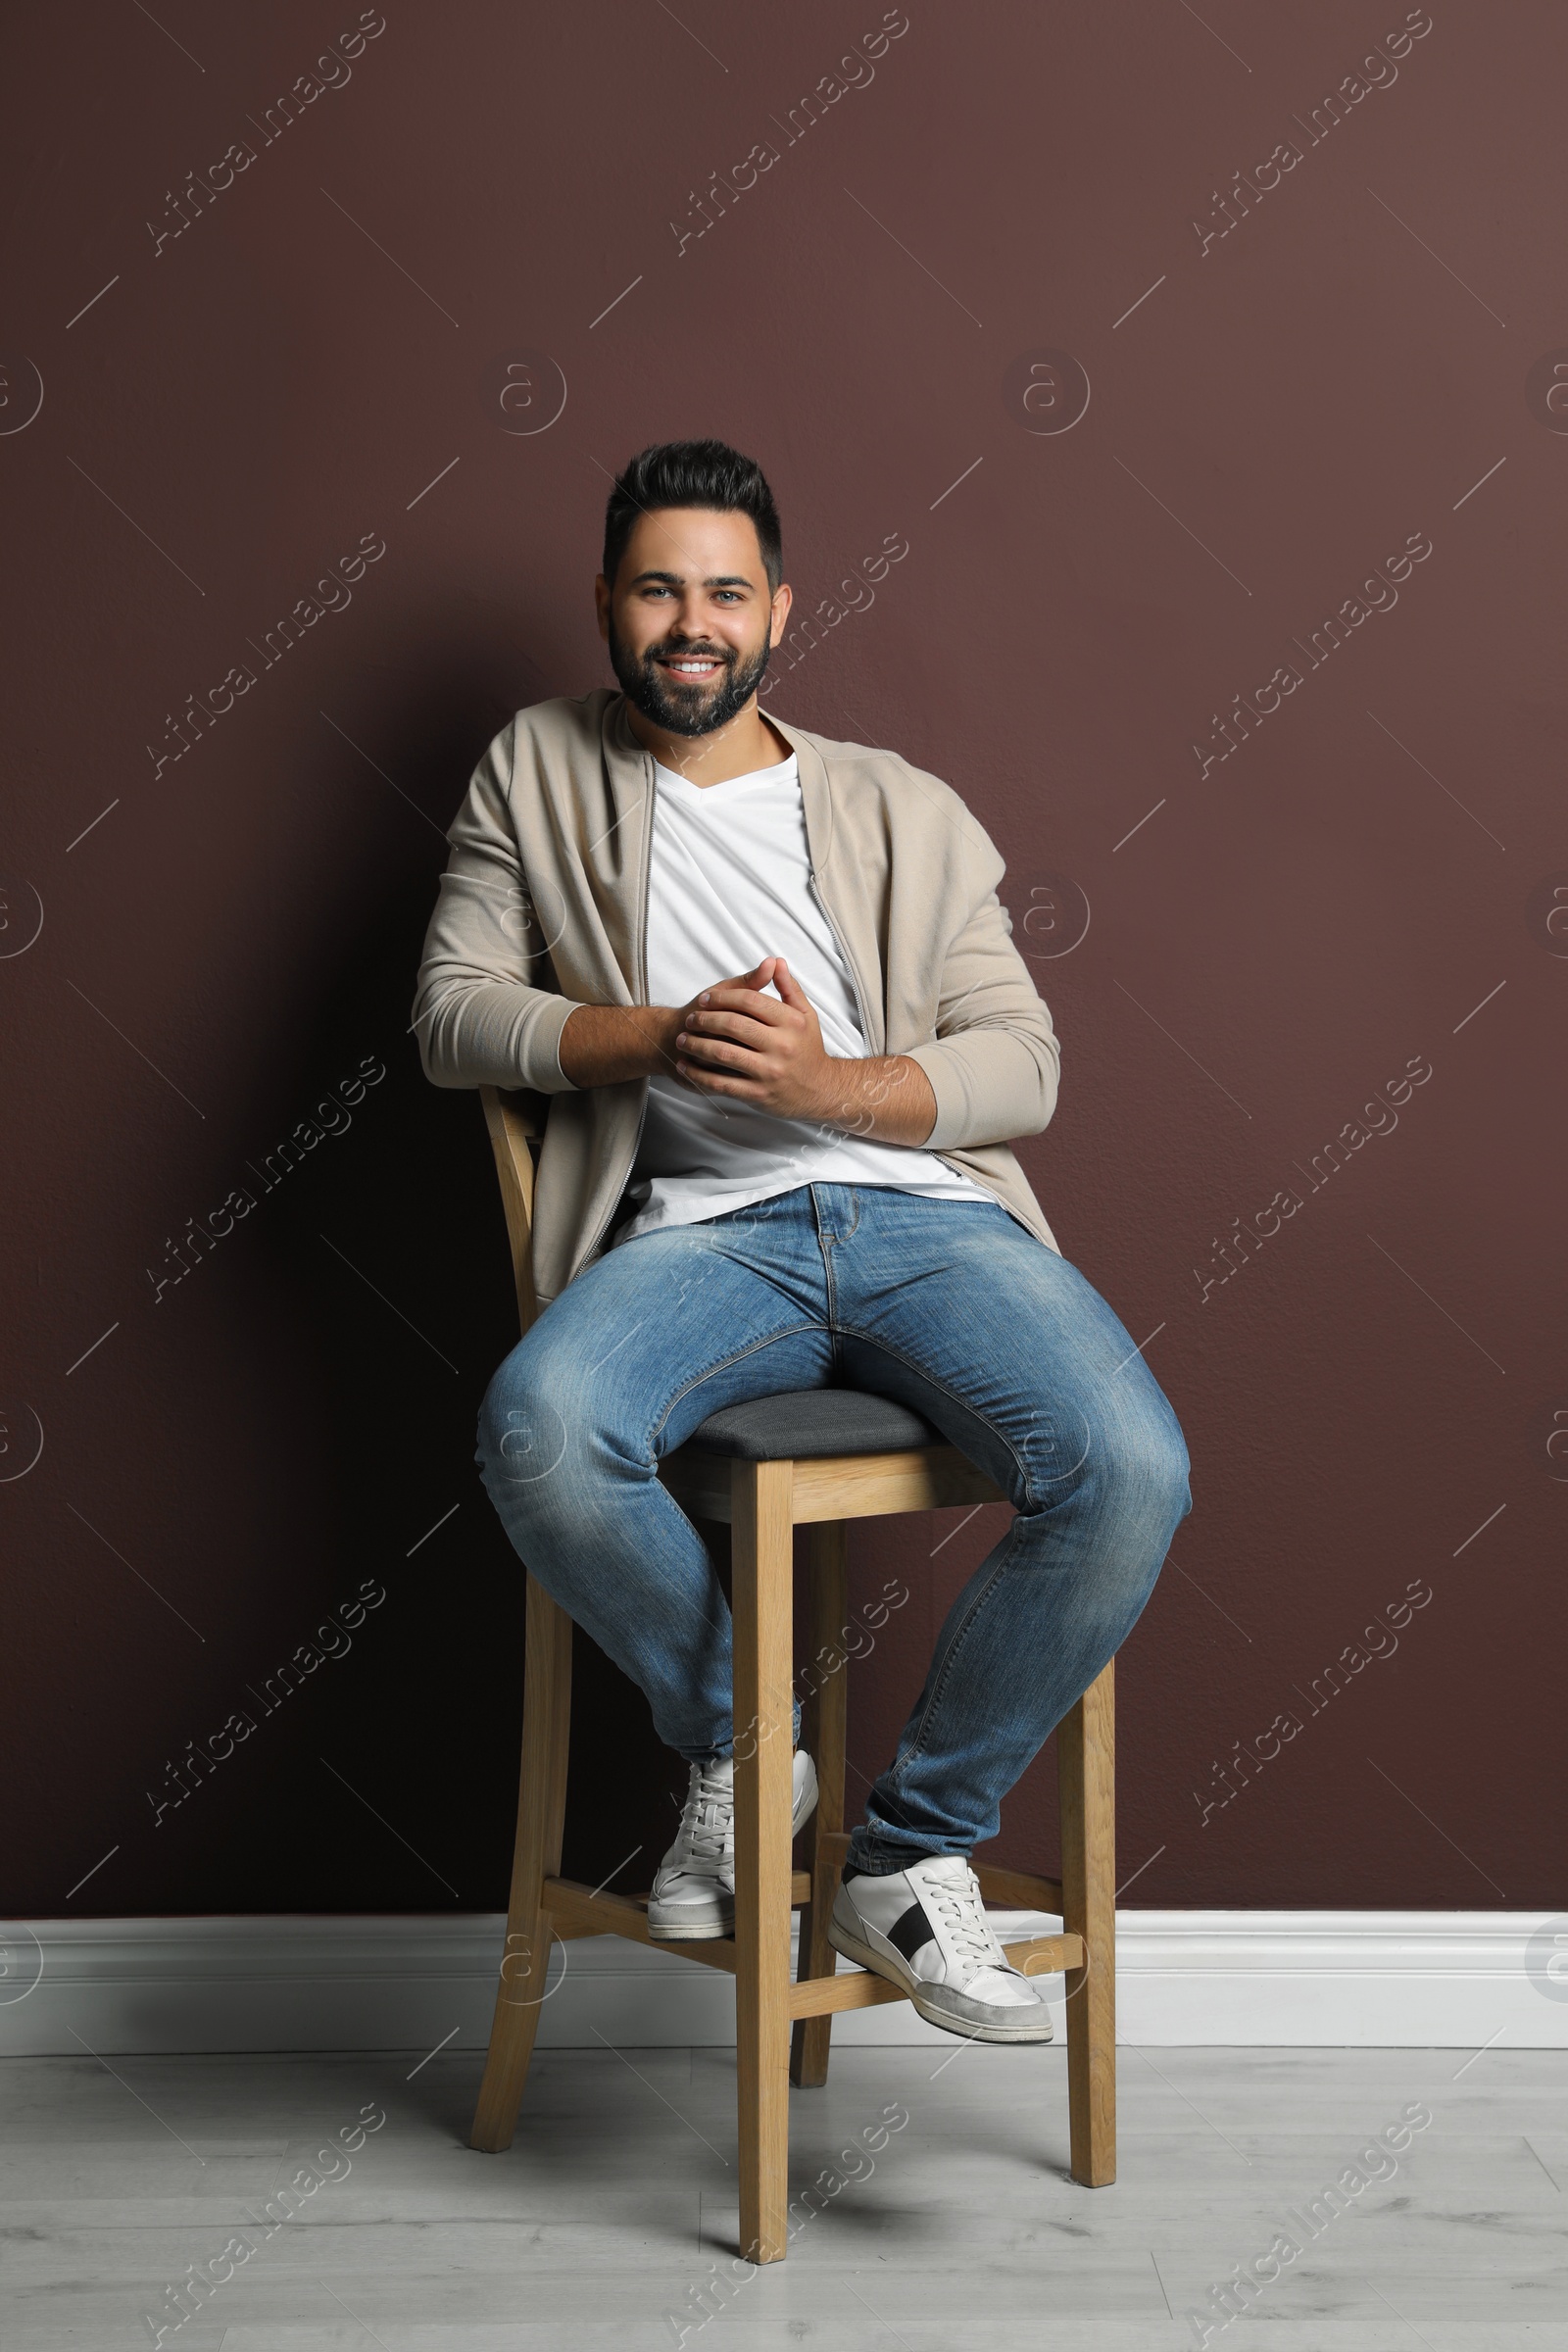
(692, 474)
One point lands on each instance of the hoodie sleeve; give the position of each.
(486, 1011)
(995, 1062)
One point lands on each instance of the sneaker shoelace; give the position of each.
(969, 1931)
(708, 1821)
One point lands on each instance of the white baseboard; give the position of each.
(1289, 1979)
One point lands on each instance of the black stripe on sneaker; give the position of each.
(910, 1931)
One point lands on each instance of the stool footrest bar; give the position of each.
(1018, 1889)
(577, 1910)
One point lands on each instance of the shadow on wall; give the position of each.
(417, 1210)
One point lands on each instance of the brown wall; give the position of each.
(1363, 361)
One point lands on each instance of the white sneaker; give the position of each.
(693, 1897)
(925, 1929)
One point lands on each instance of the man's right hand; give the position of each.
(604, 1045)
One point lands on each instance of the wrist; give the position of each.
(605, 1045)
(666, 1023)
(835, 1099)
(887, 1098)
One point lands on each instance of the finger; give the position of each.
(757, 978)
(739, 1000)
(789, 988)
(708, 1082)
(743, 987)
(713, 1020)
(714, 1053)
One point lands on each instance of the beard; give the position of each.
(697, 708)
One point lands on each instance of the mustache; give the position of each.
(690, 652)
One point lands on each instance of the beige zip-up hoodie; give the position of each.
(544, 904)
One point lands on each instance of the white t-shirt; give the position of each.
(730, 882)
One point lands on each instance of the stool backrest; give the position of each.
(516, 1124)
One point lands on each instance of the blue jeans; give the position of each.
(954, 1308)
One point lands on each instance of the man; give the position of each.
(767, 983)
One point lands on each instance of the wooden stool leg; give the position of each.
(1086, 1764)
(823, 1736)
(763, 1610)
(536, 1856)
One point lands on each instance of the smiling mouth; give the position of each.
(693, 667)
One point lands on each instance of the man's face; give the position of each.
(690, 620)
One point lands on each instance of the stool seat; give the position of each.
(810, 1424)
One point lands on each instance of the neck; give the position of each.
(746, 742)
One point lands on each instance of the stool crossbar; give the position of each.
(817, 1458)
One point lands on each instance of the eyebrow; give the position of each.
(717, 579)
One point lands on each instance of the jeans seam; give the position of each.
(852, 1228)
(824, 1244)
(793, 1330)
(1031, 1501)
(981, 1598)
(980, 1603)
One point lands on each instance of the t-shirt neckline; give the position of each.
(782, 771)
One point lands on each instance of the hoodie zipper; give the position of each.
(867, 1029)
(866, 1026)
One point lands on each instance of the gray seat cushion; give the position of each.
(802, 1423)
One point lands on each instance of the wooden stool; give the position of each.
(738, 1467)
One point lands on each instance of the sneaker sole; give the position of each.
(715, 1932)
(925, 1998)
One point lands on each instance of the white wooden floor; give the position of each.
(619, 2194)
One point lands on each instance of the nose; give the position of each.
(691, 624)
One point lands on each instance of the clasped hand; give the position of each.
(735, 1041)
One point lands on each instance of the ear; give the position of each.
(783, 598)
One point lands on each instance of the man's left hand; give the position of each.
(759, 1049)
(769, 1051)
